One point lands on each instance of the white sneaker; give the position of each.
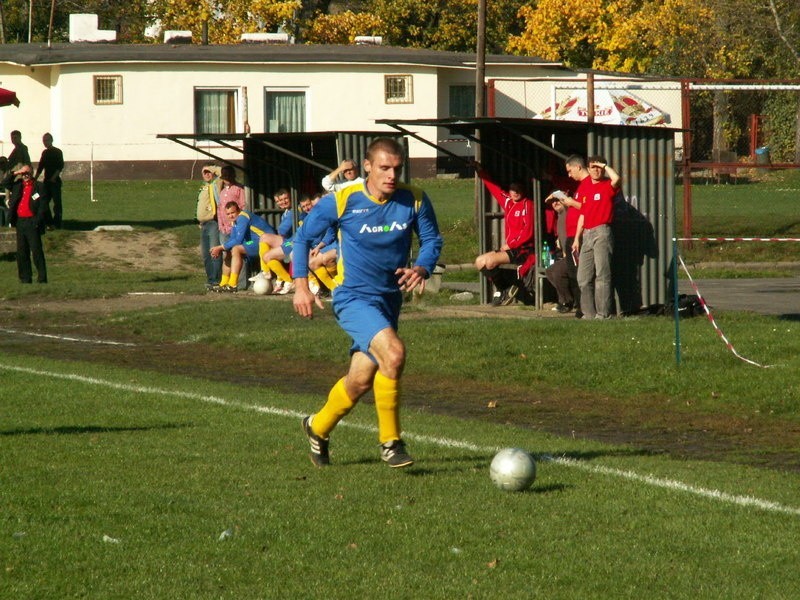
(286, 288)
(276, 289)
(259, 275)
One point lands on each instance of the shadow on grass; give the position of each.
(165, 278)
(80, 430)
(790, 317)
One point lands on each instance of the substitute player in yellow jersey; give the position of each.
(375, 221)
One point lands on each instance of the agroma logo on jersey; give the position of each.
(395, 226)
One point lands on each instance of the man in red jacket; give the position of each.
(519, 246)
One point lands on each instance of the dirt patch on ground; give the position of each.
(127, 250)
(651, 426)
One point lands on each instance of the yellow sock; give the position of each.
(337, 406)
(323, 275)
(277, 267)
(386, 403)
(233, 281)
(224, 280)
(262, 250)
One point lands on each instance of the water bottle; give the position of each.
(546, 255)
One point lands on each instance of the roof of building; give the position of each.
(87, 53)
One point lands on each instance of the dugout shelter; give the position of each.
(295, 161)
(531, 150)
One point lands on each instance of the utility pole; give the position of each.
(480, 112)
(50, 27)
(30, 20)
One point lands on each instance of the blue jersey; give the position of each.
(374, 236)
(286, 225)
(247, 228)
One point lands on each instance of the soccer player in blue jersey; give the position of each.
(243, 243)
(375, 221)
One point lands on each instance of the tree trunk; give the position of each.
(797, 132)
(2, 25)
(721, 117)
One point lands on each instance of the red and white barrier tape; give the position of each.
(735, 239)
(714, 323)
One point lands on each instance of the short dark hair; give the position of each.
(386, 144)
(232, 204)
(577, 160)
(598, 158)
(517, 186)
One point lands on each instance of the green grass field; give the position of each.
(119, 483)
(154, 450)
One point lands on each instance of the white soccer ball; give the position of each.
(262, 286)
(513, 470)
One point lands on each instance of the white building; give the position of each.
(106, 103)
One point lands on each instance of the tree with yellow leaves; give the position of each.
(343, 28)
(696, 38)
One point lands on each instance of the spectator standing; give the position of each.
(207, 202)
(27, 213)
(518, 248)
(375, 221)
(51, 163)
(594, 237)
(348, 170)
(19, 155)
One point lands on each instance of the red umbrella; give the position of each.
(8, 97)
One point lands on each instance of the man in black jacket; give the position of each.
(27, 212)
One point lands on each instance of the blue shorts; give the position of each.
(251, 247)
(287, 246)
(362, 317)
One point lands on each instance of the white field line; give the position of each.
(65, 338)
(669, 484)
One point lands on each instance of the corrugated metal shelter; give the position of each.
(295, 161)
(529, 149)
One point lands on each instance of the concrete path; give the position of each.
(773, 296)
(780, 296)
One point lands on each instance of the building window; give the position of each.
(462, 101)
(108, 89)
(285, 111)
(214, 111)
(398, 89)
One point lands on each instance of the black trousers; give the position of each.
(563, 274)
(29, 243)
(52, 192)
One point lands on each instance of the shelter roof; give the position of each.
(465, 126)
